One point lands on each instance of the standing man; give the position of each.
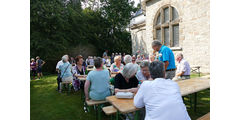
(183, 68)
(40, 63)
(105, 53)
(166, 55)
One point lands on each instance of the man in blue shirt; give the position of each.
(166, 55)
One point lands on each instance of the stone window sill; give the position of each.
(176, 48)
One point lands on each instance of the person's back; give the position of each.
(163, 96)
(65, 69)
(99, 89)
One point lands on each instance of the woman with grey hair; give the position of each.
(66, 71)
(127, 59)
(99, 81)
(126, 81)
(161, 96)
(144, 73)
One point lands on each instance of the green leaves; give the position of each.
(59, 25)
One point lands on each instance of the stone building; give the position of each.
(182, 25)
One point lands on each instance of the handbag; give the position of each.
(59, 78)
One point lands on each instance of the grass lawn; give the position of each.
(47, 104)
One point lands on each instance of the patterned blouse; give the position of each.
(114, 68)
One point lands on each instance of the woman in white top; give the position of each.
(161, 97)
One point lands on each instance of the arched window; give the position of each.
(166, 26)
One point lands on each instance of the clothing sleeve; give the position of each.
(111, 68)
(89, 76)
(107, 75)
(166, 55)
(117, 81)
(57, 66)
(184, 67)
(74, 70)
(139, 97)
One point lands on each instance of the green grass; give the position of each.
(47, 104)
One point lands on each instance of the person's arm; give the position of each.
(180, 74)
(165, 56)
(138, 98)
(166, 64)
(183, 68)
(86, 87)
(43, 63)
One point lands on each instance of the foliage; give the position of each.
(56, 26)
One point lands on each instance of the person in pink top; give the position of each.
(33, 66)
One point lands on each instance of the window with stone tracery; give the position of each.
(166, 27)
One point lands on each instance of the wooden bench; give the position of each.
(205, 117)
(109, 110)
(98, 105)
(95, 102)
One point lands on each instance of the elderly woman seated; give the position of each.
(78, 70)
(126, 81)
(161, 97)
(66, 71)
(99, 81)
(144, 73)
(117, 66)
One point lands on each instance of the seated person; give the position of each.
(99, 81)
(66, 71)
(144, 73)
(78, 70)
(183, 68)
(127, 59)
(117, 66)
(126, 81)
(161, 97)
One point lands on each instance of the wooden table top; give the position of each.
(186, 87)
(123, 105)
(82, 77)
(190, 86)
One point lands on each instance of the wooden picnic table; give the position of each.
(82, 77)
(188, 86)
(193, 85)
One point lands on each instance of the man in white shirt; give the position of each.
(161, 97)
(183, 68)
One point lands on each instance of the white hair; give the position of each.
(116, 58)
(127, 59)
(129, 70)
(65, 58)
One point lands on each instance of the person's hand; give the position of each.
(87, 99)
(133, 90)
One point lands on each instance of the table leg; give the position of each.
(136, 115)
(96, 110)
(195, 102)
(117, 115)
(199, 72)
(99, 112)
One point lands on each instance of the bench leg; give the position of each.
(190, 99)
(195, 102)
(117, 115)
(136, 116)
